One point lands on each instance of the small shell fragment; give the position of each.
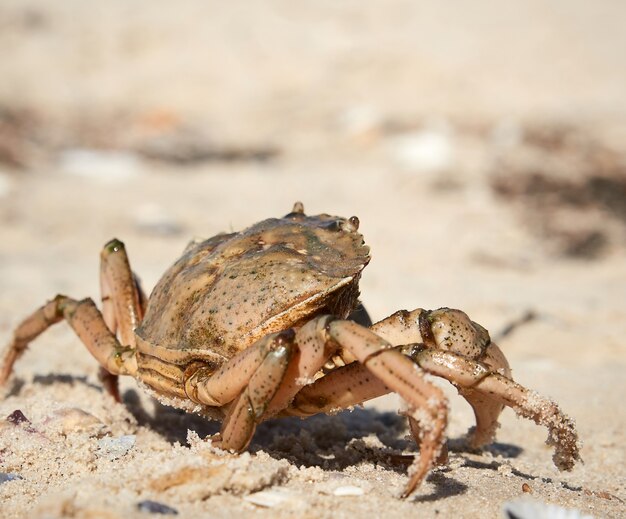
(114, 448)
(268, 498)
(71, 420)
(348, 490)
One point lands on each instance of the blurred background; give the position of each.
(481, 144)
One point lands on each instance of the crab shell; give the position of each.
(230, 290)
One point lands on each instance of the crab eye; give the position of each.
(352, 224)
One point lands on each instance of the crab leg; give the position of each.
(388, 370)
(427, 404)
(123, 303)
(249, 407)
(350, 385)
(451, 346)
(340, 389)
(309, 357)
(478, 379)
(343, 388)
(87, 322)
(248, 382)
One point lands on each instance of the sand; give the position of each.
(483, 152)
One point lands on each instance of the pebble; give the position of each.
(114, 448)
(154, 507)
(530, 509)
(9, 476)
(17, 417)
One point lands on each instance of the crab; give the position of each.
(267, 322)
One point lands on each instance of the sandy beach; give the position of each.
(482, 149)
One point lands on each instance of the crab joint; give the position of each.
(122, 353)
(425, 329)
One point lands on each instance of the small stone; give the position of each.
(526, 508)
(114, 448)
(348, 490)
(154, 507)
(9, 476)
(17, 417)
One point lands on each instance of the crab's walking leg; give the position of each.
(123, 302)
(427, 404)
(387, 370)
(87, 322)
(342, 388)
(247, 382)
(475, 376)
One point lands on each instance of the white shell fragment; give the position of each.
(71, 420)
(269, 498)
(531, 509)
(114, 448)
(348, 490)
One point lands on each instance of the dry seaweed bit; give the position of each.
(154, 507)
(8, 476)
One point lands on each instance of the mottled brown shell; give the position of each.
(228, 291)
